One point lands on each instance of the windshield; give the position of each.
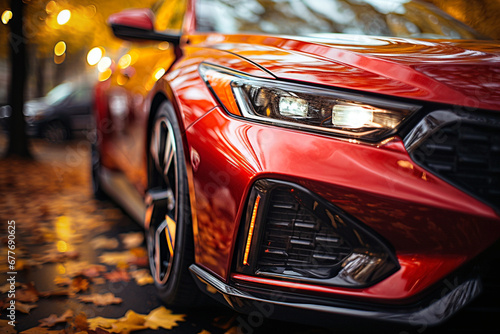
(394, 18)
(58, 93)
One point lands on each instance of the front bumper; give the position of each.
(284, 305)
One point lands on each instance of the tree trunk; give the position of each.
(18, 140)
(40, 75)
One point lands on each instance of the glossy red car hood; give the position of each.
(454, 72)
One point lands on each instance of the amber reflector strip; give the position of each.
(250, 231)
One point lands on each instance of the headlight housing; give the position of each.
(315, 109)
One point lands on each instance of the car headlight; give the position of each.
(311, 108)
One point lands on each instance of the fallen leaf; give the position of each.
(5, 328)
(6, 287)
(132, 240)
(24, 308)
(162, 317)
(80, 322)
(83, 268)
(53, 319)
(101, 322)
(62, 281)
(139, 251)
(114, 258)
(130, 322)
(142, 277)
(142, 261)
(99, 281)
(101, 300)
(27, 294)
(103, 242)
(204, 332)
(94, 270)
(233, 330)
(79, 284)
(117, 276)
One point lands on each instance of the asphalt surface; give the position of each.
(57, 223)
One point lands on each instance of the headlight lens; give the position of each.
(316, 109)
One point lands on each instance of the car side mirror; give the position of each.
(138, 25)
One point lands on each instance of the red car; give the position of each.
(284, 158)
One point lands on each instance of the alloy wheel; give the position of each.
(161, 236)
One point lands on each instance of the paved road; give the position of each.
(62, 233)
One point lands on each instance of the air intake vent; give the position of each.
(295, 239)
(291, 233)
(464, 150)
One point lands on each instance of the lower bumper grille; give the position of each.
(296, 239)
(293, 234)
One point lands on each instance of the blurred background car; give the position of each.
(64, 112)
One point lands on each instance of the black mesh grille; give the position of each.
(466, 154)
(295, 239)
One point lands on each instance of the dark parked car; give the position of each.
(63, 112)
(293, 163)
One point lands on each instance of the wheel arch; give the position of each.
(167, 95)
(163, 95)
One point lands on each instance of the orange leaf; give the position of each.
(54, 319)
(101, 300)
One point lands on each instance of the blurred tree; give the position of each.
(18, 141)
(482, 15)
(35, 26)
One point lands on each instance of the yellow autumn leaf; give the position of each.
(130, 322)
(162, 317)
(126, 327)
(101, 322)
(101, 300)
(142, 277)
(204, 331)
(134, 318)
(116, 258)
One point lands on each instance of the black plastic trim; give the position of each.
(137, 34)
(429, 126)
(247, 300)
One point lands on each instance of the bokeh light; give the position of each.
(94, 56)
(63, 16)
(59, 59)
(62, 246)
(125, 61)
(60, 48)
(6, 16)
(159, 73)
(103, 76)
(104, 64)
(51, 7)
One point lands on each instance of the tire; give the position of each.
(56, 132)
(167, 175)
(95, 169)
